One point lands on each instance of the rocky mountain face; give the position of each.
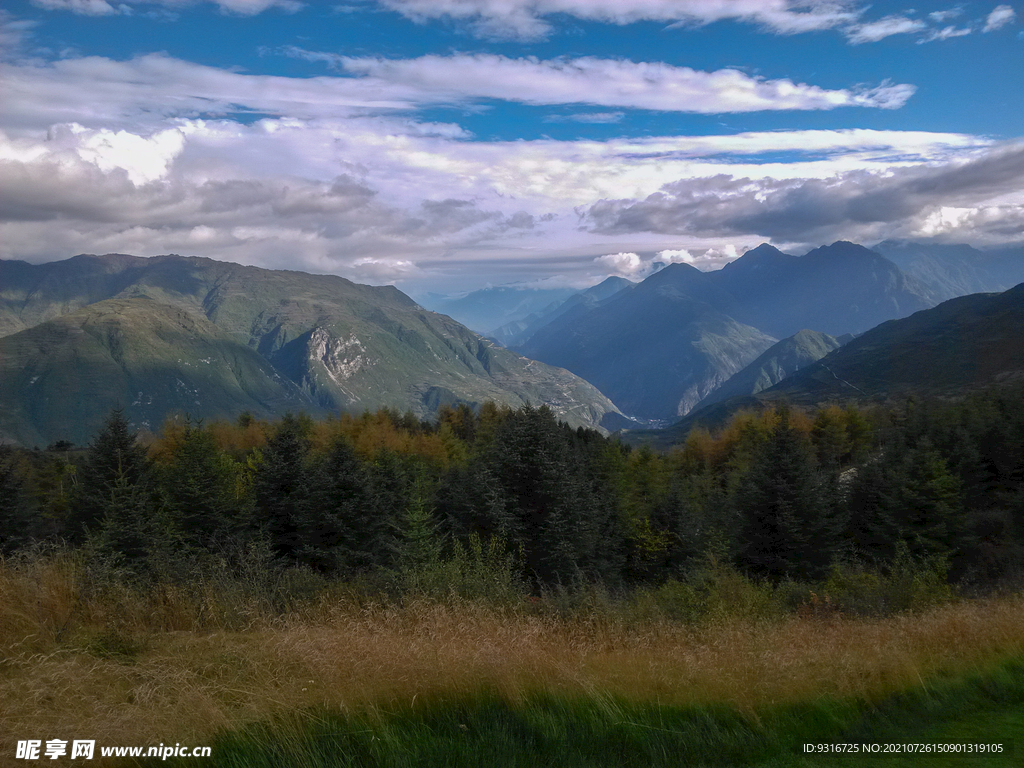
(174, 334)
(659, 349)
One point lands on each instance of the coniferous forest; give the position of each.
(513, 498)
(493, 585)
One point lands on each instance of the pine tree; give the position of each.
(786, 530)
(199, 487)
(909, 496)
(18, 521)
(280, 488)
(338, 527)
(114, 457)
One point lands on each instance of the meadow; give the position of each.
(327, 674)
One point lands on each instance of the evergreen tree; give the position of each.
(907, 495)
(199, 485)
(114, 459)
(280, 488)
(786, 530)
(18, 521)
(129, 531)
(339, 528)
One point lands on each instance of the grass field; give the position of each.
(461, 683)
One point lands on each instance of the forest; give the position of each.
(874, 502)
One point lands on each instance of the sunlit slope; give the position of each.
(59, 379)
(330, 344)
(778, 361)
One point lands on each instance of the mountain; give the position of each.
(660, 348)
(948, 271)
(490, 308)
(961, 345)
(657, 349)
(519, 331)
(59, 378)
(255, 339)
(778, 361)
(836, 289)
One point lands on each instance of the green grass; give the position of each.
(593, 731)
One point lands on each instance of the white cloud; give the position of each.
(946, 33)
(103, 8)
(858, 205)
(525, 18)
(609, 83)
(83, 7)
(873, 31)
(623, 264)
(1001, 16)
(98, 155)
(675, 256)
(13, 32)
(99, 92)
(143, 158)
(595, 118)
(940, 16)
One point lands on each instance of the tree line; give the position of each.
(780, 494)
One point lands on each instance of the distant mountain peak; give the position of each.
(762, 255)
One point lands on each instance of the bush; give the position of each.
(908, 584)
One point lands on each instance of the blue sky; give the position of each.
(451, 144)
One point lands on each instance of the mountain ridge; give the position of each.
(340, 345)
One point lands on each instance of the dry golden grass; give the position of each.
(128, 674)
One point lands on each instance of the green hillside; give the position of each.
(779, 361)
(962, 345)
(295, 341)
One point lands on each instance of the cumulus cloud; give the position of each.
(676, 256)
(623, 264)
(610, 83)
(144, 156)
(321, 194)
(1001, 16)
(525, 18)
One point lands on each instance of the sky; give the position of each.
(447, 145)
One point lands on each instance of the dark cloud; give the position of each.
(813, 209)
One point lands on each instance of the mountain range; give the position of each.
(662, 347)
(171, 334)
(962, 345)
(174, 334)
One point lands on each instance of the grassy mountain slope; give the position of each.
(959, 346)
(779, 361)
(341, 346)
(59, 379)
(964, 343)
